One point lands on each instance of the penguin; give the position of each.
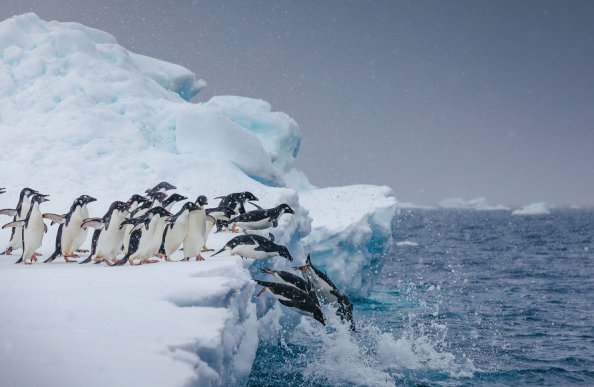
(135, 201)
(32, 228)
(161, 187)
(255, 247)
(327, 291)
(235, 202)
(2, 190)
(196, 235)
(171, 200)
(146, 236)
(260, 219)
(71, 234)
(214, 216)
(176, 231)
(157, 200)
(290, 279)
(108, 235)
(293, 297)
(19, 213)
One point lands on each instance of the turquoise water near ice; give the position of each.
(467, 298)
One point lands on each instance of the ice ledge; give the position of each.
(161, 325)
(351, 233)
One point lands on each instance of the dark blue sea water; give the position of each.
(468, 298)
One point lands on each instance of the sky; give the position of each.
(436, 99)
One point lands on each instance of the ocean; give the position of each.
(467, 298)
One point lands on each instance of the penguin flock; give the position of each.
(144, 230)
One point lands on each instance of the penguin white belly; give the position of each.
(157, 238)
(195, 238)
(257, 225)
(176, 235)
(249, 251)
(110, 240)
(73, 236)
(321, 287)
(16, 242)
(32, 235)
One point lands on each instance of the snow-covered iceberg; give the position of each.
(479, 204)
(533, 209)
(79, 114)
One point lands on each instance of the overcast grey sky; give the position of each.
(436, 99)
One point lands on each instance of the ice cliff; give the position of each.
(81, 114)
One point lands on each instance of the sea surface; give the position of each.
(467, 298)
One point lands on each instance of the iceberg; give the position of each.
(80, 114)
(479, 204)
(533, 209)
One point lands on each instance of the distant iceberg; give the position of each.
(479, 204)
(533, 209)
(80, 114)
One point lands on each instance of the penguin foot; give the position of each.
(146, 260)
(199, 258)
(36, 254)
(185, 259)
(33, 258)
(8, 251)
(206, 249)
(134, 264)
(81, 251)
(67, 258)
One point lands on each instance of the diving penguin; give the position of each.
(255, 247)
(260, 219)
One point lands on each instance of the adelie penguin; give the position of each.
(146, 236)
(327, 291)
(177, 230)
(218, 215)
(19, 213)
(108, 235)
(260, 219)
(196, 235)
(255, 247)
(236, 202)
(32, 228)
(284, 277)
(161, 187)
(2, 190)
(71, 233)
(293, 297)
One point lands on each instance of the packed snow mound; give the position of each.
(351, 233)
(479, 204)
(533, 209)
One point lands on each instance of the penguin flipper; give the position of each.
(255, 205)
(96, 223)
(8, 211)
(18, 223)
(54, 217)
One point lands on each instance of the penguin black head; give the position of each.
(159, 196)
(85, 199)
(39, 198)
(160, 211)
(120, 206)
(174, 198)
(287, 209)
(138, 199)
(202, 200)
(190, 206)
(250, 196)
(284, 252)
(161, 186)
(28, 192)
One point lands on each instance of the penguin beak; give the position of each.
(261, 291)
(91, 199)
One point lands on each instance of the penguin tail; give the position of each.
(52, 257)
(220, 251)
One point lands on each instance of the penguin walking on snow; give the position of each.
(260, 219)
(19, 213)
(176, 231)
(108, 235)
(32, 228)
(196, 235)
(255, 247)
(146, 236)
(71, 233)
(327, 291)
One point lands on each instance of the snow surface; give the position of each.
(479, 204)
(79, 114)
(533, 209)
